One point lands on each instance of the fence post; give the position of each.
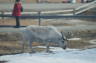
(39, 18)
(2, 13)
(74, 11)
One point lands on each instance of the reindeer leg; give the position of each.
(22, 46)
(47, 47)
(31, 48)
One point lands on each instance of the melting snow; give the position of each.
(58, 56)
(74, 39)
(93, 41)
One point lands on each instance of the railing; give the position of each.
(57, 14)
(40, 17)
(85, 7)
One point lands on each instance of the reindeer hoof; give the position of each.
(49, 51)
(32, 52)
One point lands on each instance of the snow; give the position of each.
(58, 56)
(74, 39)
(93, 41)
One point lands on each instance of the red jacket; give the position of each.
(17, 9)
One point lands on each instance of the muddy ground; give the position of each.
(72, 28)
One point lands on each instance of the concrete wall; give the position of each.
(26, 1)
(1, 1)
(53, 1)
(59, 1)
(30, 1)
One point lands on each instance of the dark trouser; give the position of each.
(17, 21)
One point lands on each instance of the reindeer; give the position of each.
(43, 34)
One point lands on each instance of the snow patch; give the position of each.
(74, 39)
(93, 41)
(58, 56)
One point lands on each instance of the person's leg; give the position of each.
(17, 21)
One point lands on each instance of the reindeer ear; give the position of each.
(63, 37)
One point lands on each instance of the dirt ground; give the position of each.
(24, 22)
(9, 43)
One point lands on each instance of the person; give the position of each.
(17, 12)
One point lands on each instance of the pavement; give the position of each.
(73, 25)
(41, 6)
